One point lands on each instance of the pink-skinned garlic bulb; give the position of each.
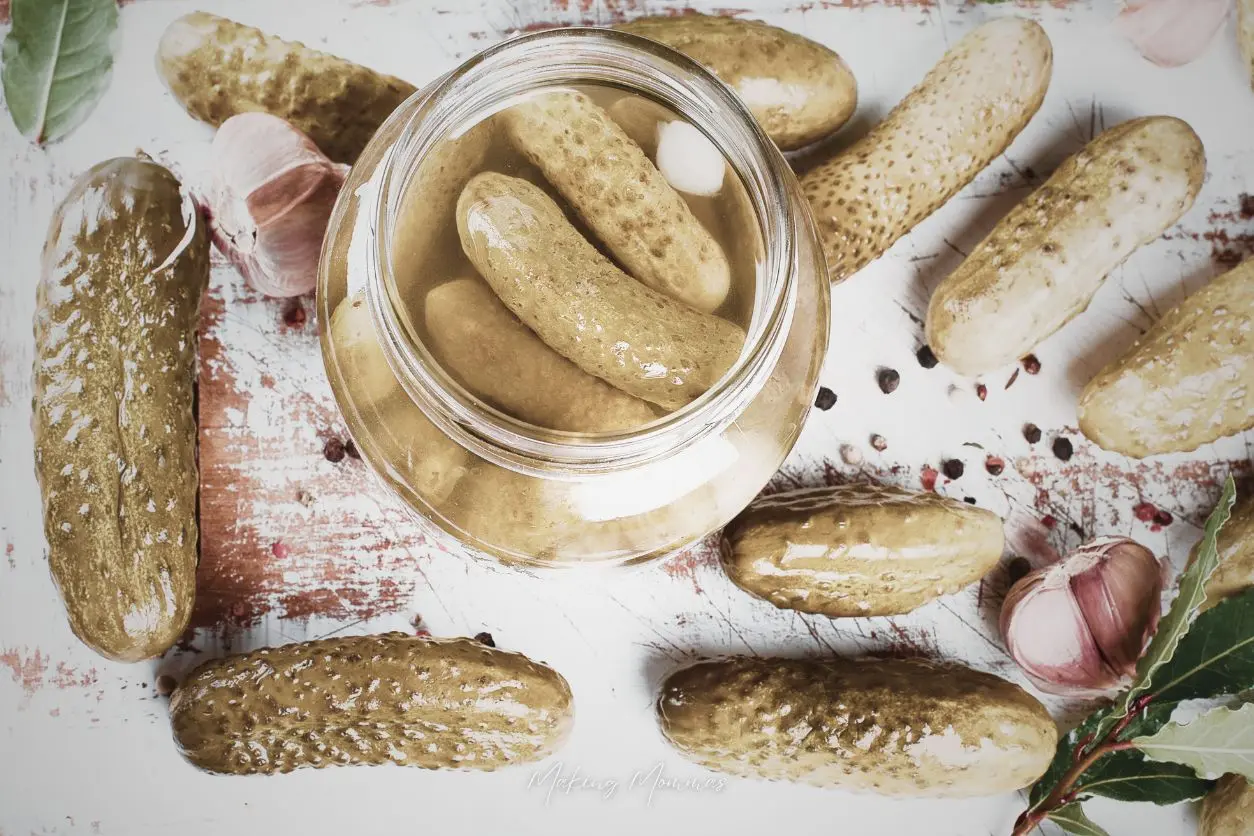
(270, 199)
(1077, 628)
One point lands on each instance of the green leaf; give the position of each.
(1214, 744)
(1175, 624)
(1216, 657)
(57, 62)
(1072, 819)
(1125, 775)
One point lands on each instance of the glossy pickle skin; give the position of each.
(965, 112)
(117, 308)
(859, 550)
(620, 194)
(896, 727)
(1187, 381)
(217, 68)
(799, 91)
(370, 700)
(499, 359)
(585, 308)
(1042, 264)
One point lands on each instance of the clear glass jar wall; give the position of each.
(603, 480)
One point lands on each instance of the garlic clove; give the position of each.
(1114, 599)
(1171, 33)
(1078, 627)
(688, 160)
(1047, 635)
(270, 198)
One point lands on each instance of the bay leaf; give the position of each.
(1216, 657)
(1073, 819)
(58, 58)
(1218, 742)
(1125, 775)
(1173, 626)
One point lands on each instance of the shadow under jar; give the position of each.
(491, 300)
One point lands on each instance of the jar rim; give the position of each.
(464, 96)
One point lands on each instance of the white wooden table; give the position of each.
(296, 546)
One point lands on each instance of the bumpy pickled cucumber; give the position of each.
(496, 357)
(1229, 809)
(1040, 267)
(1185, 382)
(858, 550)
(798, 90)
(965, 112)
(217, 68)
(431, 462)
(901, 727)
(124, 267)
(621, 196)
(369, 700)
(584, 307)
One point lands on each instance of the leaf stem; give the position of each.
(1064, 791)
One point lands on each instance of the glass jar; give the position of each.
(521, 492)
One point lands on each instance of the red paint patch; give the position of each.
(28, 672)
(302, 545)
(690, 563)
(67, 677)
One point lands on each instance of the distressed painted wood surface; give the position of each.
(297, 545)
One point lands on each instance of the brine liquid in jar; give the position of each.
(584, 260)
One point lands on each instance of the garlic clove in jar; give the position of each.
(1077, 628)
(270, 198)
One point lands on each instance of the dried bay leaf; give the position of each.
(57, 62)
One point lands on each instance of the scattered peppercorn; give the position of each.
(1048, 521)
(294, 314)
(826, 399)
(889, 380)
(1163, 518)
(485, 638)
(351, 449)
(334, 450)
(981, 391)
(1031, 365)
(926, 358)
(850, 454)
(166, 685)
(1063, 448)
(953, 468)
(1017, 569)
(928, 478)
(1032, 433)
(970, 500)
(879, 442)
(994, 465)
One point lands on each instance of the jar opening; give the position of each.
(490, 82)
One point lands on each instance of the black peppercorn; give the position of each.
(879, 442)
(926, 358)
(333, 450)
(826, 399)
(485, 638)
(953, 469)
(1032, 433)
(1062, 448)
(888, 379)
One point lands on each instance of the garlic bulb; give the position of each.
(1078, 627)
(270, 198)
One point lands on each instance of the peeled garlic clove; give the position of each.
(1078, 627)
(688, 160)
(270, 198)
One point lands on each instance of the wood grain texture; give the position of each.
(295, 546)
